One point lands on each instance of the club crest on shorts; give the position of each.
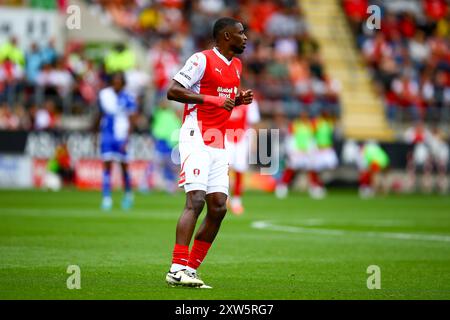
(196, 172)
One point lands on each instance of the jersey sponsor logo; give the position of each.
(185, 75)
(218, 70)
(225, 92)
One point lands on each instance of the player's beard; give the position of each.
(237, 50)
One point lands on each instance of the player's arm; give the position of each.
(191, 73)
(179, 93)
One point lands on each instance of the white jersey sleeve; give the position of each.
(253, 115)
(192, 72)
(108, 101)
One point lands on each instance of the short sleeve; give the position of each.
(107, 101)
(192, 71)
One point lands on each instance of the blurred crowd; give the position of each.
(38, 85)
(409, 56)
(39, 4)
(282, 61)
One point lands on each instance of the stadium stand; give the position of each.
(283, 60)
(302, 56)
(362, 115)
(408, 58)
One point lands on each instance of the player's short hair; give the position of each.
(221, 24)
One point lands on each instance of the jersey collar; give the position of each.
(222, 57)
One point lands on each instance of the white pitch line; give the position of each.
(267, 225)
(86, 213)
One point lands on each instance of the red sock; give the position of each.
(180, 254)
(238, 184)
(287, 176)
(315, 179)
(198, 253)
(365, 179)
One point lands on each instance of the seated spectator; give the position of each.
(260, 13)
(119, 59)
(23, 120)
(419, 50)
(86, 87)
(49, 53)
(62, 78)
(4, 117)
(414, 44)
(46, 117)
(375, 48)
(408, 25)
(389, 25)
(284, 23)
(407, 98)
(11, 76)
(55, 82)
(426, 91)
(356, 10)
(435, 9)
(441, 96)
(34, 62)
(330, 98)
(11, 51)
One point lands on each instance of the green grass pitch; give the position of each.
(296, 248)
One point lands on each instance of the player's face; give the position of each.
(238, 38)
(117, 83)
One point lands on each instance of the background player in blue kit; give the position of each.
(117, 109)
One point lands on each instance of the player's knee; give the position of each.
(219, 209)
(196, 202)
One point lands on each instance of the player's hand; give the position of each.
(244, 97)
(228, 104)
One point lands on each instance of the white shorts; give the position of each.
(325, 159)
(202, 167)
(238, 154)
(298, 160)
(420, 154)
